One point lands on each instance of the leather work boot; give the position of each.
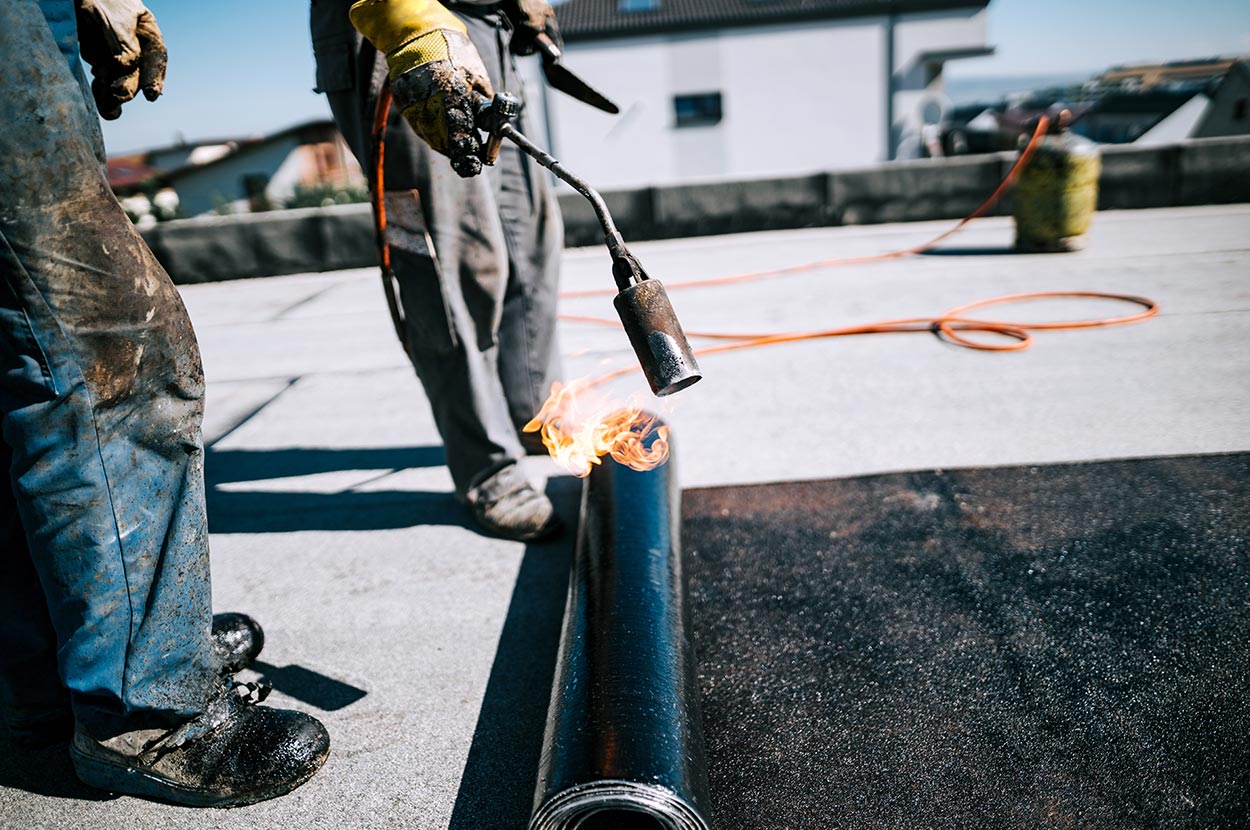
(507, 505)
(235, 753)
(236, 640)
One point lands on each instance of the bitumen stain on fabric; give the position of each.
(1024, 647)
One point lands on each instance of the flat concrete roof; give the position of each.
(384, 609)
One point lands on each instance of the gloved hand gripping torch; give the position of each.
(643, 304)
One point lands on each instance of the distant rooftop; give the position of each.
(133, 170)
(1147, 75)
(605, 19)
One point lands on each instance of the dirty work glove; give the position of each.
(531, 18)
(436, 73)
(120, 40)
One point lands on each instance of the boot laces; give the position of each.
(224, 705)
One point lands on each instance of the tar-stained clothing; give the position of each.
(103, 545)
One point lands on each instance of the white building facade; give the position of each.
(750, 88)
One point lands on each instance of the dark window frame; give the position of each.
(698, 109)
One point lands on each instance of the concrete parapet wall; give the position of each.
(213, 248)
(1196, 172)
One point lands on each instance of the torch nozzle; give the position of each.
(656, 335)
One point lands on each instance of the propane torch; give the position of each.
(642, 303)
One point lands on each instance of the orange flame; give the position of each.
(579, 427)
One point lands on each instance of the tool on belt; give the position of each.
(561, 78)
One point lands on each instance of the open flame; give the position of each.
(579, 427)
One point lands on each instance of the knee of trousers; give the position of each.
(146, 382)
(132, 343)
(125, 358)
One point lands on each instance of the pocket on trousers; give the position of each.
(427, 312)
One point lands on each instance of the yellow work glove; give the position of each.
(121, 41)
(531, 18)
(436, 73)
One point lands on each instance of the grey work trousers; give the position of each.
(476, 260)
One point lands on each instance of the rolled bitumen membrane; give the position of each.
(1028, 647)
(623, 748)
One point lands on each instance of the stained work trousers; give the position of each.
(104, 581)
(477, 260)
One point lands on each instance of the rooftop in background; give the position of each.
(130, 171)
(1145, 76)
(603, 19)
(253, 172)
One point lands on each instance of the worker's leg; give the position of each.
(471, 286)
(450, 260)
(533, 235)
(101, 396)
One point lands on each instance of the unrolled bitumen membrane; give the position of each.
(1026, 647)
(623, 748)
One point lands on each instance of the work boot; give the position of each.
(236, 640)
(235, 753)
(507, 505)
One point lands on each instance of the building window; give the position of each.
(1239, 109)
(627, 6)
(700, 110)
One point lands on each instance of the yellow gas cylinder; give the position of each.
(1057, 191)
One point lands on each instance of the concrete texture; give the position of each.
(425, 646)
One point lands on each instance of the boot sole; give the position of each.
(128, 780)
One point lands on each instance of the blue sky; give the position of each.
(243, 67)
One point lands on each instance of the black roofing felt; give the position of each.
(1019, 647)
(602, 19)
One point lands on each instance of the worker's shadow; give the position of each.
(987, 250)
(497, 787)
(308, 686)
(45, 771)
(361, 506)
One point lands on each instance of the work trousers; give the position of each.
(476, 260)
(104, 580)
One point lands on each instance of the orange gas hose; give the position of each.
(947, 325)
(382, 112)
